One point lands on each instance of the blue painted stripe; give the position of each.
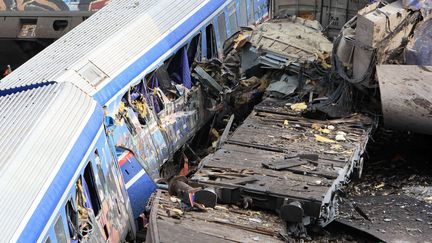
(24, 88)
(52, 197)
(175, 36)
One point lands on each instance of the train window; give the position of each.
(59, 230)
(90, 186)
(101, 175)
(72, 220)
(130, 126)
(211, 42)
(179, 69)
(232, 10)
(222, 27)
(194, 49)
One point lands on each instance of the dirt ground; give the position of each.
(392, 202)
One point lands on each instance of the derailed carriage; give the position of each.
(73, 167)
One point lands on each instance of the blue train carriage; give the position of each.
(126, 62)
(161, 106)
(163, 100)
(59, 179)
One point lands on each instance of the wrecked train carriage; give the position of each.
(378, 50)
(142, 122)
(277, 159)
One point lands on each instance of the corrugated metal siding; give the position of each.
(110, 38)
(142, 34)
(36, 128)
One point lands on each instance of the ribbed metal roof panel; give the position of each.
(103, 44)
(37, 127)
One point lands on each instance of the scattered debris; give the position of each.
(298, 107)
(340, 136)
(308, 128)
(211, 225)
(323, 139)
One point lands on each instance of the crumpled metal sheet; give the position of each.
(419, 49)
(297, 40)
(283, 87)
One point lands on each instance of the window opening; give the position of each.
(211, 42)
(90, 191)
(59, 230)
(179, 69)
(194, 49)
(101, 175)
(72, 220)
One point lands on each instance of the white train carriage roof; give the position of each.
(43, 130)
(115, 45)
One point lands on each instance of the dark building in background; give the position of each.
(27, 27)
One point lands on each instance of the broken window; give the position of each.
(211, 42)
(59, 230)
(90, 191)
(155, 97)
(81, 209)
(138, 98)
(162, 86)
(179, 70)
(101, 184)
(194, 49)
(72, 219)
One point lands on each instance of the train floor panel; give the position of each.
(221, 224)
(277, 158)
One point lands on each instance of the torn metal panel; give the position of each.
(406, 97)
(278, 160)
(208, 80)
(284, 86)
(297, 40)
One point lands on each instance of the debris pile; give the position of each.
(381, 46)
(285, 156)
(305, 103)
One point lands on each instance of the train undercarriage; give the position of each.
(282, 171)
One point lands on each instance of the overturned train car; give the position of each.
(89, 122)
